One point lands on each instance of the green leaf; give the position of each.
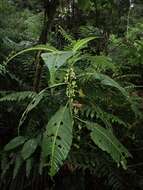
(107, 81)
(57, 139)
(14, 143)
(28, 166)
(29, 148)
(5, 164)
(18, 163)
(32, 105)
(84, 4)
(36, 48)
(18, 96)
(106, 140)
(54, 61)
(82, 43)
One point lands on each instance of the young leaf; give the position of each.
(57, 139)
(54, 61)
(106, 140)
(29, 148)
(14, 143)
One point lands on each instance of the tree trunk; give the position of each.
(50, 8)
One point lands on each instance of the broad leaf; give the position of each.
(57, 139)
(14, 143)
(106, 140)
(54, 61)
(29, 148)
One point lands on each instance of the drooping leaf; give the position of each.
(29, 148)
(106, 140)
(5, 164)
(18, 163)
(57, 139)
(36, 48)
(54, 61)
(28, 166)
(35, 102)
(14, 143)
(81, 43)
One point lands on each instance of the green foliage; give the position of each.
(29, 148)
(54, 61)
(14, 143)
(86, 114)
(18, 163)
(105, 139)
(18, 96)
(57, 138)
(84, 4)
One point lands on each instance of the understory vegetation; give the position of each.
(71, 97)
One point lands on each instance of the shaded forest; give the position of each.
(71, 95)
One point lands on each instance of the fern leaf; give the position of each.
(105, 139)
(57, 139)
(2, 70)
(65, 35)
(105, 80)
(81, 43)
(18, 96)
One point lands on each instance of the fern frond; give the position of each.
(107, 118)
(66, 36)
(104, 79)
(2, 70)
(18, 96)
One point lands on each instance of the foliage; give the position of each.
(57, 138)
(73, 105)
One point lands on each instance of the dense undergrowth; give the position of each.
(71, 110)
